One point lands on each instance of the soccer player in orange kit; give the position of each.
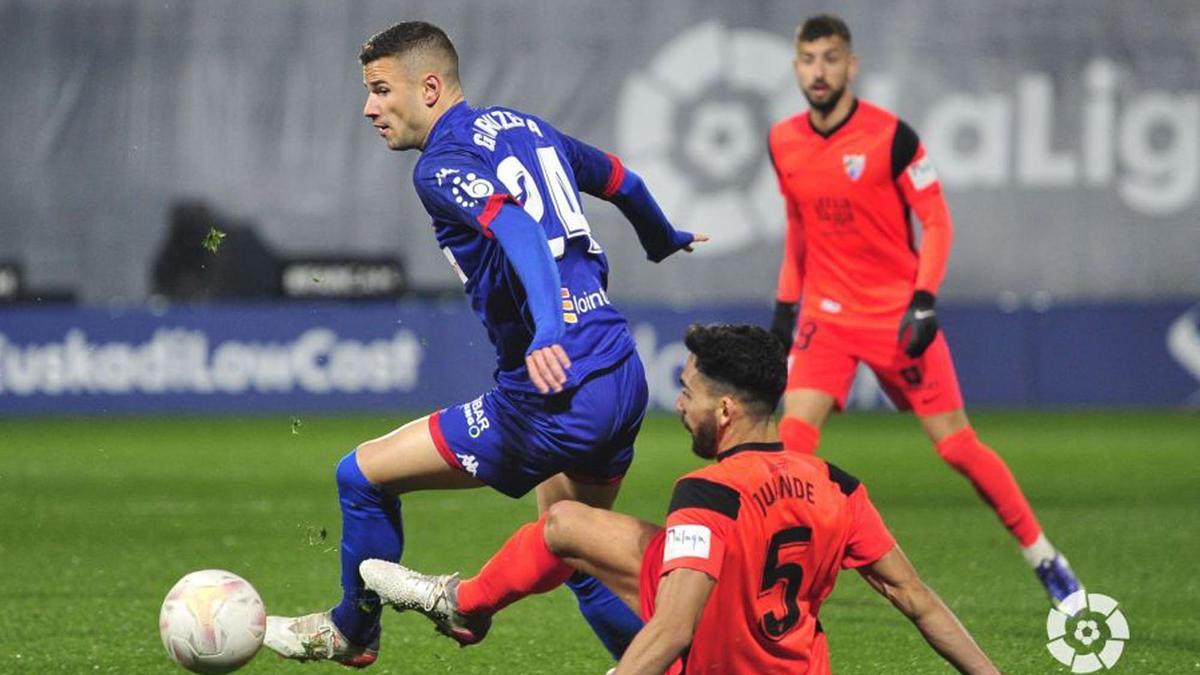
(752, 545)
(851, 175)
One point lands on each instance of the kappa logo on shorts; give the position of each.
(687, 541)
(469, 463)
(477, 421)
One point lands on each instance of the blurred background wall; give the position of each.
(1067, 135)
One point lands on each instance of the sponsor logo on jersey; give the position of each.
(575, 306)
(837, 211)
(830, 305)
(477, 421)
(921, 173)
(854, 165)
(687, 541)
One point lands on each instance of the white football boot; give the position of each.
(434, 596)
(314, 637)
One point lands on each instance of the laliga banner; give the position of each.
(423, 356)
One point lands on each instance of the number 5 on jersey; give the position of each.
(791, 575)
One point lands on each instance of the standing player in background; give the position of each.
(851, 174)
(503, 190)
(751, 549)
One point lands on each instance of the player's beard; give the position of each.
(826, 106)
(704, 437)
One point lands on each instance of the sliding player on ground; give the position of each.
(751, 548)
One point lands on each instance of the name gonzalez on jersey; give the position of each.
(491, 123)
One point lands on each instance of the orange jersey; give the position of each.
(849, 194)
(773, 528)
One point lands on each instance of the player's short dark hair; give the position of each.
(823, 25)
(407, 37)
(747, 360)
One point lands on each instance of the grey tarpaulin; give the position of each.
(1067, 133)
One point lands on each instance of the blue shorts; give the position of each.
(514, 440)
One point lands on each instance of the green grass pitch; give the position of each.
(101, 516)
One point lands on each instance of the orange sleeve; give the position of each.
(791, 270)
(699, 521)
(922, 191)
(695, 540)
(869, 539)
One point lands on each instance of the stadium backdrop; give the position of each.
(420, 355)
(1067, 136)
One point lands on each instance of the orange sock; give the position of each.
(993, 481)
(799, 435)
(523, 566)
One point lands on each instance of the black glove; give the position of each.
(920, 322)
(783, 326)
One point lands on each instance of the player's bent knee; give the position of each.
(562, 519)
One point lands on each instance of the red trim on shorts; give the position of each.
(615, 178)
(490, 210)
(592, 480)
(439, 441)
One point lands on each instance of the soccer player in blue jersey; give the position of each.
(503, 188)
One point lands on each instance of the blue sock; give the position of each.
(371, 528)
(610, 618)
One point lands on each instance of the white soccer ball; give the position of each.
(212, 621)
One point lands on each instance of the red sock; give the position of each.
(523, 566)
(993, 481)
(799, 435)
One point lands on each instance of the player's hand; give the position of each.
(697, 238)
(547, 368)
(919, 325)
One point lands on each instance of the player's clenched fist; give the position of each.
(919, 324)
(548, 368)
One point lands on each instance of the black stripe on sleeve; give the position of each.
(697, 493)
(845, 481)
(904, 148)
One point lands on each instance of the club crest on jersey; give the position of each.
(468, 189)
(854, 165)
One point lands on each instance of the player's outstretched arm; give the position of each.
(656, 234)
(525, 245)
(603, 175)
(894, 578)
(678, 605)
